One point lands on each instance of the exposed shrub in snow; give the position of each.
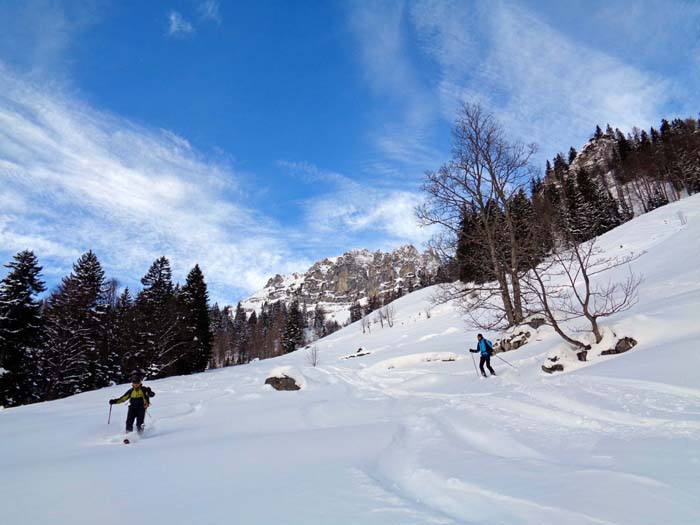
(312, 355)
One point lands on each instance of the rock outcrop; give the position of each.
(622, 346)
(512, 342)
(355, 275)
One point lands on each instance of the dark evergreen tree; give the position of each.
(20, 331)
(573, 154)
(598, 133)
(194, 298)
(293, 336)
(523, 218)
(623, 145)
(241, 336)
(561, 168)
(471, 253)
(254, 342)
(355, 312)
(574, 224)
(373, 303)
(319, 322)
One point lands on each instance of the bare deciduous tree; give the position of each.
(387, 313)
(485, 172)
(561, 288)
(366, 324)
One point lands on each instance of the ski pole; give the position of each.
(506, 362)
(474, 361)
(110, 414)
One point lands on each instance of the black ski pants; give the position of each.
(485, 360)
(139, 414)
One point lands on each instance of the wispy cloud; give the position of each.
(348, 211)
(36, 35)
(209, 11)
(73, 178)
(403, 125)
(545, 85)
(178, 25)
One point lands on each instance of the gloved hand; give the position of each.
(112, 401)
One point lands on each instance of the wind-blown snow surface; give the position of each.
(403, 435)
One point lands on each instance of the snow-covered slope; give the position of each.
(403, 435)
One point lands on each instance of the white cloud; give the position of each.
(209, 10)
(545, 86)
(78, 179)
(36, 35)
(177, 25)
(377, 213)
(403, 124)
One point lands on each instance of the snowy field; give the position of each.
(403, 435)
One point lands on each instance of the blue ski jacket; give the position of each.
(485, 347)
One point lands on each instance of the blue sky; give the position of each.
(256, 137)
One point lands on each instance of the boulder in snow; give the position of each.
(550, 369)
(282, 383)
(624, 344)
(512, 342)
(286, 378)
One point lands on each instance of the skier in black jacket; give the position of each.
(139, 397)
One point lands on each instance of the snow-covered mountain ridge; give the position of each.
(356, 275)
(405, 434)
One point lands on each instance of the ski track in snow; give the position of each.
(401, 435)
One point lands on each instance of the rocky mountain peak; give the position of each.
(337, 282)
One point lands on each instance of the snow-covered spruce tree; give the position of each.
(577, 218)
(20, 330)
(194, 299)
(293, 336)
(124, 329)
(160, 342)
(75, 315)
(110, 343)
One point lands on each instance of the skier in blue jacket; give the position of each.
(485, 348)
